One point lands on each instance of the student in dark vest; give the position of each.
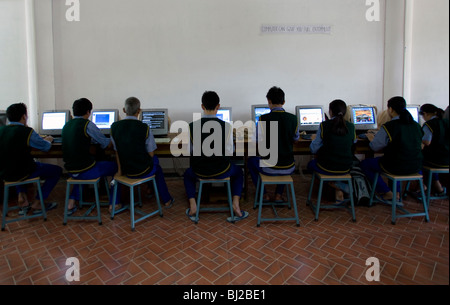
(288, 133)
(214, 164)
(333, 146)
(401, 142)
(436, 142)
(16, 162)
(135, 146)
(77, 136)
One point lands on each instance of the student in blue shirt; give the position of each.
(333, 147)
(77, 136)
(400, 140)
(16, 162)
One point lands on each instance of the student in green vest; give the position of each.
(401, 142)
(135, 146)
(77, 136)
(288, 133)
(333, 146)
(217, 165)
(17, 163)
(436, 142)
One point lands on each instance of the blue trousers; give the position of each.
(235, 174)
(101, 169)
(48, 172)
(372, 166)
(313, 167)
(255, 169)
(161, 185)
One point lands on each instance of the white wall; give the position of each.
(168, 53)
(13, 53)
(430, 53)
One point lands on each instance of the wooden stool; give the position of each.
(264, 180)
(215, 209)
(102, 204)
(96, 204)
(330, 178)
(431, 171)
(6, 209)
(394, 203)
(131, 183)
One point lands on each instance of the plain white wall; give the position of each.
(430, 53)
(167, 53)
(13, 53)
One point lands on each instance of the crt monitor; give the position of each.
(364, 117)
(157, 119)
(104, 118)
(258, 111)
(309, 117)
(52, 122)
(414, 110)
(3, 118)
(224, 113)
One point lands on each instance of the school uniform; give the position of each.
(437, 153)
(288, 133)
(16, 161)
(402, 148)
(133, 142)
(77, 136)
(215, 164)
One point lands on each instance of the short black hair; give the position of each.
(210, 100)
(276, 96)
(81, 107)
(15, 112)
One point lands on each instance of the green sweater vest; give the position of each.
(76, 144)
(437, 153)
(287, 127)
(209, 166)
(403, 154)
(129, 137)
(336, 154)
(16, 162)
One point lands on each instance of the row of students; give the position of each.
(400, 139)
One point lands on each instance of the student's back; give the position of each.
(129, 137)
(437, 153)
(16, 161)
(287, 127)
(217, 163)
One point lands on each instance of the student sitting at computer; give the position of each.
(401, 142)
(77, 136)
(16, 162)
(436, 142)
(216, 165)
(288, 133)
(333, 147)
(135, 146)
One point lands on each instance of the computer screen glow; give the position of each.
(54, 120)
(224, 115)
(103, 119)
(259, 111)
(310, 116)
(363, 115)
(414, 110)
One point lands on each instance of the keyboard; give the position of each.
(162, 140)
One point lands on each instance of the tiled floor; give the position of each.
(173, 250)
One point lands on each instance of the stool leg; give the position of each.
(424, 201)
(289, 196)
(157, 198)
(308, 201)
(66, 204)
(38, 186)
(113, 209)
(199, 197)
(5, 206)
(394, 202)
(258, 185)
(319, 198)
(261, 196)
(97, 202)
(352, 203)
(230, 200)
(132, 208)
(294, 203)
(429, 181)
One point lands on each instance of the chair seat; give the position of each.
(131, 181)
(439, 170)
(403, 177)
(72, 180)
(280, 179)
(342, 177)
(212, 179)
(28, 181)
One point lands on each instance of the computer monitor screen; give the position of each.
(309, 117)
(258, 111)
(104, 119)
(3, 118)
(414, 110)
(157, 120)
(52, 122)
(224, 114)
(364, 117)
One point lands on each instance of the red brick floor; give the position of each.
(173, 250)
